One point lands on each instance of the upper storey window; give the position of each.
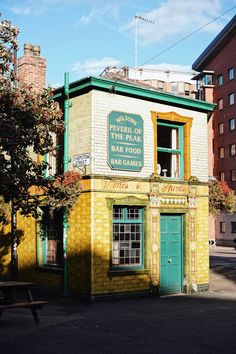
(172, 140)
(221, 128)
(170, 150)
(220, 104)
(219, 80)
(207, 80)
(231, 73)
(232, 124)
(231, 99)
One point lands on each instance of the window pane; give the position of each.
(231, 73)
(220, 103)
(134, 213)
(221, 128)
(233, 175)
(222, 226)
(208, 79)
(219, 80)
(232, 124)
(233, 226)
(231, 99)
(221, 153)
(232, 149)
(118, 213)
(222, 176)
(169, 164)
(127, 239)
(52, 225)
(167, 137)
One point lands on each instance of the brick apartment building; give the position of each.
(216, 82)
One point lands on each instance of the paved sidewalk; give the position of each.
(202, 323)
(223, 271)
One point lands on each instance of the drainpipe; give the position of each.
(65, 169)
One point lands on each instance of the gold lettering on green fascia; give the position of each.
(125, 141)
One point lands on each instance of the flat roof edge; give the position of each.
(118, 87)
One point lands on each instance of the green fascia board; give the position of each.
(97, 83)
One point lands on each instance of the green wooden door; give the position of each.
(171, 254)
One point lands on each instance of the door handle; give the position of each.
(169, 260)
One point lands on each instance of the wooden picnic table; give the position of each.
(8, 300)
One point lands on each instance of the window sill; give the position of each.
(48, 269)
(125, 272)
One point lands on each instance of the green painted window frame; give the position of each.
(125, 220)
(179, 151)
(42, 240)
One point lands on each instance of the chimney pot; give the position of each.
(27, 49)
(36, 50)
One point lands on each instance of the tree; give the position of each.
(27, 121)
(221, 198)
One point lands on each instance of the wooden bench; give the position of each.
(33, 306)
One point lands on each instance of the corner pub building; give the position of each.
(140, 224)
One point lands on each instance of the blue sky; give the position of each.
(85, 36)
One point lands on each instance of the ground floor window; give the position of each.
(222, 227)
(50, 237)
(128, 237)
(233, 226)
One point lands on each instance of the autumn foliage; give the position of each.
(221, 198)
(66, 188)
(28, 120)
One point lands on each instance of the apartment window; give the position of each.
(220, 104)
(219, 80)
(222, 226)
(231, 99)
(50, 237)
(170, 149)
(220, 128)
(232, 149)
(221, 152)
(207, 79)
(128, 237)
(233, 175)
(232, 124)
(233, 227)
(222, 176)
(231, 73)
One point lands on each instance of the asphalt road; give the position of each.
(177, 324)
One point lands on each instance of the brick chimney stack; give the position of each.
(32, 67)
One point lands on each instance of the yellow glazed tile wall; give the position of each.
(79, 128)
(102, 282)
(202, 247)
(27, 259)
(5, 249)
(79, 246)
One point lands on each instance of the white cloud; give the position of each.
(177, 19)
(37, 7)
(21, 10)
(93, 66)
(98, 14)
